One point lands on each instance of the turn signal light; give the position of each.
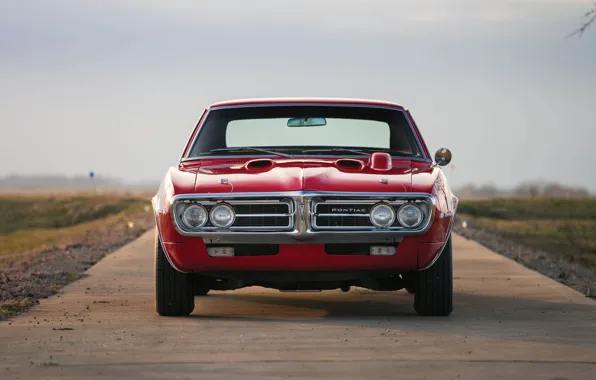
(220, 251)
(382, 250)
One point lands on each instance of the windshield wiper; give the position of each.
(358, 151)
(249, 149)
(355, 151)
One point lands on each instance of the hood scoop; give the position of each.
(347, 164)
(259, 165)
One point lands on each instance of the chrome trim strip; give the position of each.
(243, 202)
(263, 215)
(259, 202)
(301, 229)
(340, 215)
(260, 196)
(256, 228)
(398, 109)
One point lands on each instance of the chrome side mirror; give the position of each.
(442, 157)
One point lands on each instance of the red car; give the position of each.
(305, 194)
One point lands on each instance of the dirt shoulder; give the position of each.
(560, 267)
(27, 276)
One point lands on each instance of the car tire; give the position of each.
(434, 289)
(174, 290)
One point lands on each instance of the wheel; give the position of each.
(174, 290)
(434, 286)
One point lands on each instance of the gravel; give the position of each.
(548, 264)
(26, 278)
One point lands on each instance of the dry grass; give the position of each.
(531, 208)
(565, 227)
(12, 307)
(35, 223)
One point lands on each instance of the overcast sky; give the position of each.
(117, 85)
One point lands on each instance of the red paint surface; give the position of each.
(192, 256)
(381, 161)
(308, 174)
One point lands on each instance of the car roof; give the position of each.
(310, 101)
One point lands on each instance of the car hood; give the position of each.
(266, 175)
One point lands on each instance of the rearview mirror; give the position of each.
(443, 157)
(307, 122)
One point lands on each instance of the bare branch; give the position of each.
(588, 18)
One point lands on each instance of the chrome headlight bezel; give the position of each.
(387, 207)
(220, 206)
(410, 206)
(194, 206)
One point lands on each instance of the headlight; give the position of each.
(194, 216)
(222, 215)
(409, 215)
(382, 215)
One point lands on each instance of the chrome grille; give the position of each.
(261, 208)
(353, 214)
(299, 217)
(262, 221)
(344, 221)
(257, 215)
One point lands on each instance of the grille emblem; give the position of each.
(348, 210)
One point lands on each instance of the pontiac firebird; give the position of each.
(302, 195)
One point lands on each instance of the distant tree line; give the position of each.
(75, 183)
(526, 189)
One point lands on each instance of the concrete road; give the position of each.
(508, 323)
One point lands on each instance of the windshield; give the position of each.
(305, 130)
(336, 132)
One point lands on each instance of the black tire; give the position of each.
(434, 289)
(411, 289)
(174, 291)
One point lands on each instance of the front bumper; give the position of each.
(299, 237)
(191, 256)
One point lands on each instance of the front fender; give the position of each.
(434, 240)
